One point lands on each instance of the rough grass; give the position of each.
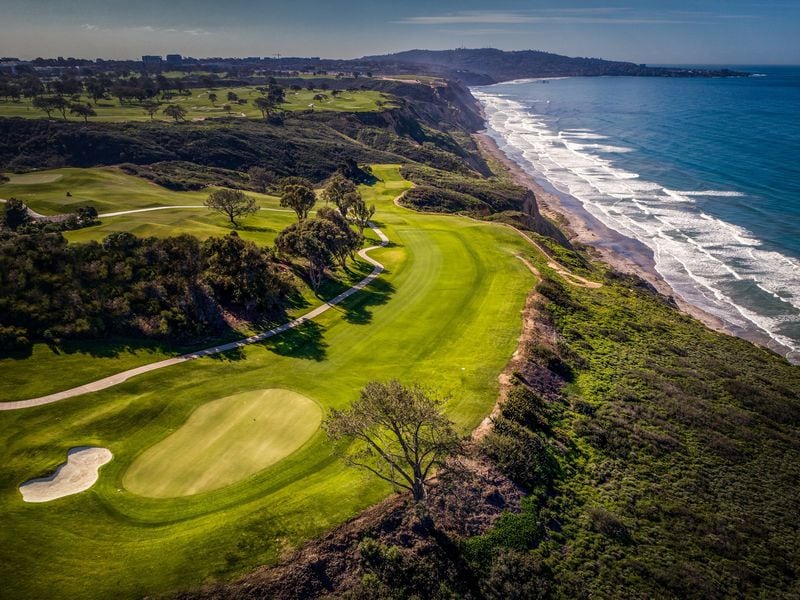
(199, 107)
(223, 442)
(445, 313)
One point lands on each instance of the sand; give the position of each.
(78, 474)
(622, 253)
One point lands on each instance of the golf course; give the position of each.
(219, 464)
(201, 104)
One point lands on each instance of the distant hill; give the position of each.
(489, 65)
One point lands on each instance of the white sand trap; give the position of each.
(76, 475)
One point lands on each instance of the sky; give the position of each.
(642, 31)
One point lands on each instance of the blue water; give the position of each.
(705, 172)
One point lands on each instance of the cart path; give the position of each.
(107, 382)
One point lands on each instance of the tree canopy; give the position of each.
(176, 112)
(362, 214)
(299, 197)
(321, 242)
(342, 192)
(231, 203)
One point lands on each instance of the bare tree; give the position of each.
(397, 433)
(151, 108)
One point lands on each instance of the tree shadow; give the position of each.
(304, 341)
(358, 308)
(254, 229)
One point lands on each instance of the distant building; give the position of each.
(151, 60)
(174, 60)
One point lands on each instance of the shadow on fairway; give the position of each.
(358, 311)
(256, 229)
(305, 341)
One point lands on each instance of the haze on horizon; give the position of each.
(683, 32)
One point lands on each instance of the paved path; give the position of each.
(152, 208)
(120, 213)
(118, 378)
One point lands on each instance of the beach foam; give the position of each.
(718, 266)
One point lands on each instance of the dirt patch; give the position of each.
(458, 506)
(76, 475)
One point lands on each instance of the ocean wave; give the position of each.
(716, 265)
(711, 193)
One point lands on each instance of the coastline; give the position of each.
(622, 253)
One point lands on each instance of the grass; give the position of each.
(445, 313)
(110, 190)
(223, 442)
(105, 188)
(199, 107)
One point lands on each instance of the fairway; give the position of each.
(225, 441)
(107, 189)
(446, 312)
(200, 106)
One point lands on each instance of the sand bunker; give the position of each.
(76, 475)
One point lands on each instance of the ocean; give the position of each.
(703, 172)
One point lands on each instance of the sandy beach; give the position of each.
(622, 253)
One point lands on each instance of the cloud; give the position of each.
(597, 15)
(148, 29)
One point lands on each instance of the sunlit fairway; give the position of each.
(111, 190)
(199, 105)
(446, 313)
(108, 189)
(223, 442)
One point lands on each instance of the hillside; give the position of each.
(483, 66)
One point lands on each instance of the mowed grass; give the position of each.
(446, 313)
(223, 442)
(107, 189)
(199, 105)
(111, 190)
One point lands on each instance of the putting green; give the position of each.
(223, 442)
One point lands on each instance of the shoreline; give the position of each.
(622, 253)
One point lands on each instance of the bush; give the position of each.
(607, 523)
(516, 576)
(522, 405)
(519, 453)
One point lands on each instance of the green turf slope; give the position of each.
(223, 442)
(107, 189)
(446, 313)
